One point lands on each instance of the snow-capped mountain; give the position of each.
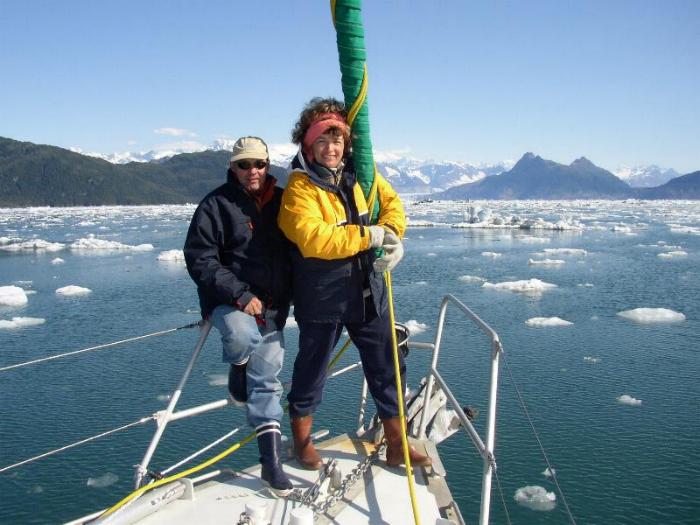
(406, 174)
(645, 176)
(428, 176)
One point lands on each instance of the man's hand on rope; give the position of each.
(393, 253)
(254, 307)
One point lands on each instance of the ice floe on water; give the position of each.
(412, 223)
(217, 379)
(12, 296)
(529, 286)
(541, 322)
(37, 245)
(533, 240)
(585, 285)
(20, 322)
(546, 262)
(621, 228)
(93, 244)
(626, 399)
(482, 217)
(73, 290)
(57, 260)
(470, 279)
(678, 228)
(103, 481)
(171, 256)
(652, 315)
(535, 497)
(548, 473)
(565, 251)
(672, 255)
(592, 360)
(415, 327)
(493, 255)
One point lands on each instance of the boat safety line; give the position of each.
(177, 476)
(399, 393)
(500, 492)
(99, 347)
(81, 442)
(201, 451)
(537, 437)
(201, 466)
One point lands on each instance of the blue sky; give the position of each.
(617, 82)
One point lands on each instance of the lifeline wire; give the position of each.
(537, 437)
(82, 441)
(136, 493)
(98, 347)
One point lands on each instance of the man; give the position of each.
(237, 256)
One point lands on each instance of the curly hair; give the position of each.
(315, 107)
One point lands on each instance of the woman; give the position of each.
(337, 279)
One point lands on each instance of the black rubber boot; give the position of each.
(238, 382)
(270, 446)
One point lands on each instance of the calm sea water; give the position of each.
(617, 463)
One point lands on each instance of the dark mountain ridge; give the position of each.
(39, 175)
(533, 177)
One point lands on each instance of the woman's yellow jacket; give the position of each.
(332, 263)
(315, 219)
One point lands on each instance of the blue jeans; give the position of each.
(243, 339)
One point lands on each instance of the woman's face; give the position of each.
(328, 149)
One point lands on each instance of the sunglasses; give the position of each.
(246, 165)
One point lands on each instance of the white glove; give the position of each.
(376, 236)
(393, 253)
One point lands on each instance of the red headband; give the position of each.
(319, 126)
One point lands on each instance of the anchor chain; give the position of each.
(308, 497)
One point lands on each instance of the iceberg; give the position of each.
(652, 315)
(541, 322)
(12, 296)
(21, 322)
(530, 286)
(535, 497)
(73, 290)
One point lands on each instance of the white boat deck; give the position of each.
(381, 496)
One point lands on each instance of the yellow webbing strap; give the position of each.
(399, 393)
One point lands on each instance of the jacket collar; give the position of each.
(322, 176)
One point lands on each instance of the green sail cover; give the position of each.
(350, 37)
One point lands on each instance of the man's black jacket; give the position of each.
(235, 251)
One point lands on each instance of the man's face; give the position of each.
(251, 173)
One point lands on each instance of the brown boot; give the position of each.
(394, 450)
(304, 449)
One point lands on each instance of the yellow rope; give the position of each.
(177, 476)
(339, 354)
(399, 392)
(373, 192)
(361, 97)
